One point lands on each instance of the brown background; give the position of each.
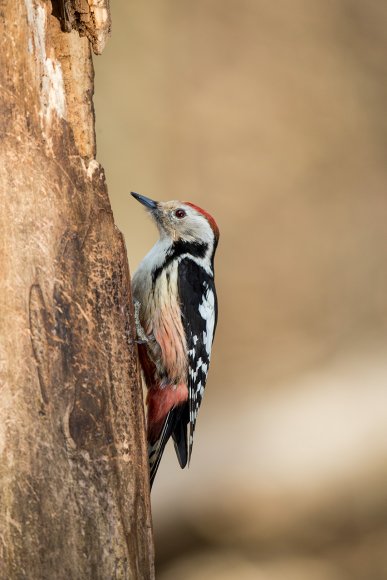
(272, 116)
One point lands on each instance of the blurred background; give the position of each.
(272, 116)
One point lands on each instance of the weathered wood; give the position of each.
(74, 493)
(90, 18)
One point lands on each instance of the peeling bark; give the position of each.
(74, 492)
(90, 18)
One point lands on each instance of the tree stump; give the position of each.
(74, 491)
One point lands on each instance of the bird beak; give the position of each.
(149, 203)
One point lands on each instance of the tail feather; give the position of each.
(175, 425)
(179, 437)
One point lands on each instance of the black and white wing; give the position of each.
(199, 317)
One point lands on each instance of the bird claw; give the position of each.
(141, 335)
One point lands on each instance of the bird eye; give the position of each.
(180, 213)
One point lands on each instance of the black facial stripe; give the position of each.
(213, 253)
(179, 248)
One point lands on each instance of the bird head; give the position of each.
(181, 221)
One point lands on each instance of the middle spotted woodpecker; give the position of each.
(176, 315)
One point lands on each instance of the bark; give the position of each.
(74, 492)
(90, 17)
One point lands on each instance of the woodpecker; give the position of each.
(176, 315)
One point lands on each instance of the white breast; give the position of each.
(160, 315)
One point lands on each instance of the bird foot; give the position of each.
(141, 335)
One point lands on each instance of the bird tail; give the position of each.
(175, 425)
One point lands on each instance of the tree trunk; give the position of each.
(74, 492)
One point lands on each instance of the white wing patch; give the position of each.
(207, 312)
